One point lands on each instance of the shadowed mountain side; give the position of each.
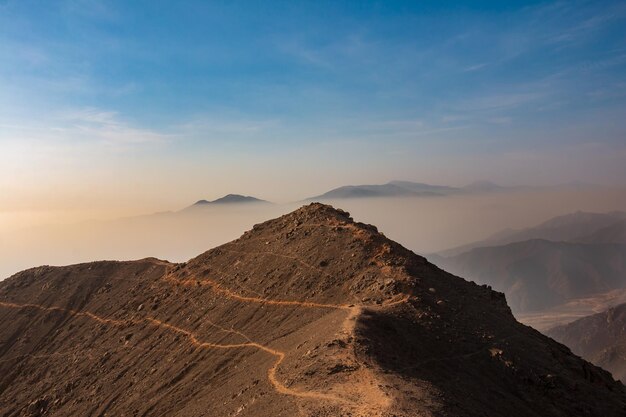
(600, 339)
(308, 314)
(539, 274)
(424, 355)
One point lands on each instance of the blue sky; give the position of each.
(299, 96)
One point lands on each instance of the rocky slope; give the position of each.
(309, 314)
(600, 338)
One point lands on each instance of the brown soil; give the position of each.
(309, 314)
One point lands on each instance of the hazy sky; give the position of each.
(154, 104)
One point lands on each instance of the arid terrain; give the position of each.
(308, 314)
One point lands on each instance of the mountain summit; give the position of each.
(229, 199)
(308, 314)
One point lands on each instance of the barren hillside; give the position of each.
(309, 314)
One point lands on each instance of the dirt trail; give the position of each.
(347, 327)
(376, 398)
(219, 288)
(322, 327)
(193, 339)
(280, 255)
(65, 310)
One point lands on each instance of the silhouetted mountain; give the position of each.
(391, 189)
(229, 199)
(539, 274)
(417, 189)
(600, 339)
(426, 188)
(309, 314)
(369, 191)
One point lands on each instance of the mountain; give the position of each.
(569, 227)
(600, 338)
(373, 191)
(390, 189)
(417, 189)
(574, 227)
(539, 274)
(308, 314)
(426, 188)
(229, 199)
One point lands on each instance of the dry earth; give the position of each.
(309, 314)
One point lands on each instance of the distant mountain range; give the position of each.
(229, 199)
(599, 338)
(564, 258)
(394, 189)
(578, 227)
(417, 189)
(390, 189)
(537, 274)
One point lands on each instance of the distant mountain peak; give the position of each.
(230, 199)
(390, 189)
(238, 198)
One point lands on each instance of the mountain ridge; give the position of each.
(570, 227)
(401, 188)
(310, 313)
(538, 273)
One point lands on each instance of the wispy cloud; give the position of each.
(583, 28)
(107, 127)
(500, 120)
(305, 54)
(476, 67)
(498, 101)
(213, 127)
(84, 126)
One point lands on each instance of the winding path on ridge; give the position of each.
(352, 310)
(193, 339)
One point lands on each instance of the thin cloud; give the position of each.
(500, 120)
(88, 125)
(475, 67)
(498, 101)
